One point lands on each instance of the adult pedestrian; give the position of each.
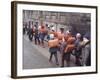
(86, 55)
(78, 49)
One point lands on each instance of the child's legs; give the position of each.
(56, 58)
(51, 54)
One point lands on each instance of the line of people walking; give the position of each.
(63, 42)
(68, 44)
(38, 32)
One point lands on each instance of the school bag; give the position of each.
(53, 43)
(70, 45)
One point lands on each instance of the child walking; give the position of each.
(53, 48)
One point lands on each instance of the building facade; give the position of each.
(77, 22)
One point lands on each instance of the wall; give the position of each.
(5, 40)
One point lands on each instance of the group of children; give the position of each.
(64, 42)
(68, 44)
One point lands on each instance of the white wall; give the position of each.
(5, 40)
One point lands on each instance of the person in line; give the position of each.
(24, 29)
(31, 34)
(36, 35)
(86, 55)
(52, 31)
(78, 49)
(42, 35)
(60, 34)
(30, 31)
(68, 47)
(53, 48)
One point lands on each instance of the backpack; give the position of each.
(70, 45)
(53, 43)
(69, 48)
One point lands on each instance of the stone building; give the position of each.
(77, 22)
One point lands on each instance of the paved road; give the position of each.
(35, 56)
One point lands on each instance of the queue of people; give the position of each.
(69, 44)
(63, 42)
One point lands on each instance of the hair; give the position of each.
(78, 35)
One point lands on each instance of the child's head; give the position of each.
(62, 30)
(78, 35)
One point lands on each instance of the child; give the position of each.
(68, 48)
(53, 47)
(42, 35)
